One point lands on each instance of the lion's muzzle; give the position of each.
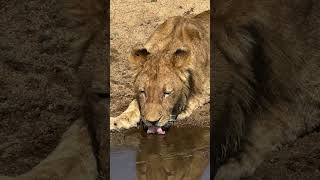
(152, 127)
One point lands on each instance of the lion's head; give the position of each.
(170, 68)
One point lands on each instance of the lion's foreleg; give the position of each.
(129, 118)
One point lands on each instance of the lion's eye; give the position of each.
(167, 93)
(142, 91)
(181, 51)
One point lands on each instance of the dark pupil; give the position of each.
(180, 52)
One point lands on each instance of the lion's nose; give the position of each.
(153, 122)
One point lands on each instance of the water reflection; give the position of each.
(182, 154)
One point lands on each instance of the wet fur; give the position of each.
(265, 79)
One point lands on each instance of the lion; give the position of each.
(172, 74)
(266, 80)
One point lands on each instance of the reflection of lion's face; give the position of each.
(182, 155)
(167, 67)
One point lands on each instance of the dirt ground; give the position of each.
(36, 106)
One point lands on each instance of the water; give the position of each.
(183, 153)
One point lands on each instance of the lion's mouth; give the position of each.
(151, 129)
(154, 129)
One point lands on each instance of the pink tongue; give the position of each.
(154, 129)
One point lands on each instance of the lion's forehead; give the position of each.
(160, 67)
(165, 46)
(157, 77)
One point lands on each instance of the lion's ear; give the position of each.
(138, 55)
(181, 57)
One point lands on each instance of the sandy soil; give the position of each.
(36, 105)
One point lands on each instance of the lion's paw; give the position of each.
(113, 124)
(120, 123)
(124, 122)
(183, 115)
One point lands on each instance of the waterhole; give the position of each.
(183, 153)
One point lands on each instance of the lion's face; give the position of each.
(162, 88)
